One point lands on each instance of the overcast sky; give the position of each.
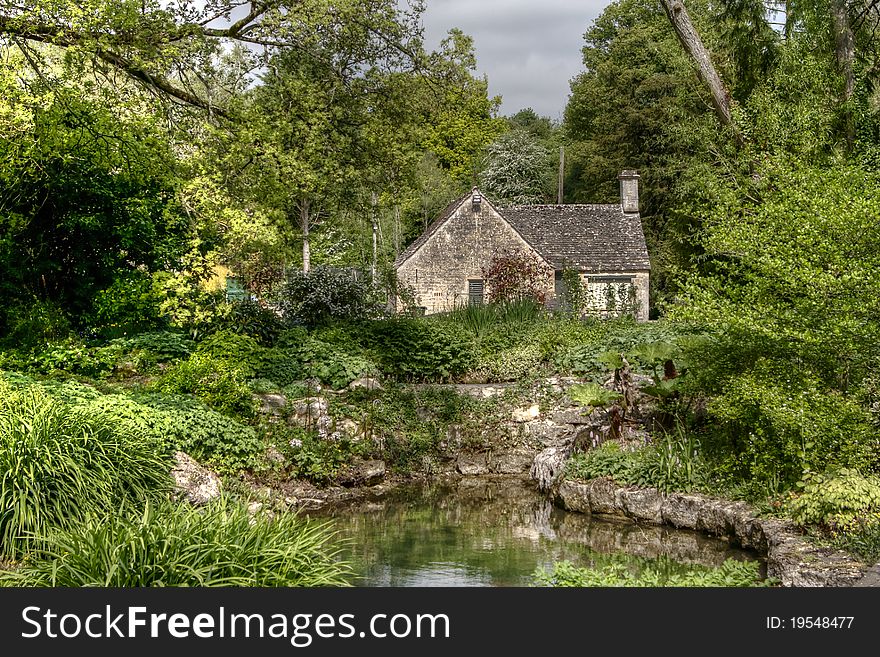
(529, 49)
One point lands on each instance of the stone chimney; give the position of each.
(476, 199)
(629, 191)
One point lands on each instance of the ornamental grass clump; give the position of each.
(60, 463)
(174, 544)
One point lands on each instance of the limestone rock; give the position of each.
(196, 483)
(643, 504)
(362, 473)
(473, 464)
(548, 432)
(515, 461)
(574, 496)
(526, 414)
(680, 510)
(549, 465)
(366, 382)
(606, 497)
(311, 413)
(272, 404)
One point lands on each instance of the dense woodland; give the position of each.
(147, 146)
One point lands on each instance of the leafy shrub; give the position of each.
(263, 386)
(179, 545)
(314, 359)
(512, 364)
(243, 351)
(731, 573)
(34, 324)
(606, 460)
(253, 319)
(73, 357)
(164, 345)
(777, 423)
(863, 540)
(836, 500)
(421, 349)
(217, 382)
(129, 305)
(407, 426)
(673, 462)
(575, 297)
(185, 424)
(515, 276)
(318, 460)
(592, 394)
(60, 463)
(282, 366)
(324, 294)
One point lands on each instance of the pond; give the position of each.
(497, 532)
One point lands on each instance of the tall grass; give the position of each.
(179, 545)
(59, 464)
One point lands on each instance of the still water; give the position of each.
(479, 532)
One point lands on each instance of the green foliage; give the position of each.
(263, 386)
(731, 573)
(255, 320)
(34, 323)
(188, 425)
(592, 394)
(325, 294)
(164, 345)
(72, 356)
(129, 305)
(60, 463)
(419, 350)
(774, 424)
(318, 460)
(240, 350)
(310, 358)
(836, 500)
(606, 460)
(517, 363)
(862, 541)
(179, 545)
(407, 426)
(673, 462)
(574, 293)
(217, 382)
(87, 199)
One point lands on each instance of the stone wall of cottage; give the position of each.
(457, 253)
(628, 297)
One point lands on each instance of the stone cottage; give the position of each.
(605, 244)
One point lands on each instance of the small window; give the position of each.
(475, 292)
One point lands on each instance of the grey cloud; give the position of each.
(529, 50)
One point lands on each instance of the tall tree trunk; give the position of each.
(844, 53)
(374, 200)
(690, 40)
(304, 220)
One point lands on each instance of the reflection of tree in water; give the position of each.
(485, 533)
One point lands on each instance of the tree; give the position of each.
(171, 48)
(518, 169)
(692, 43)
(85, 198)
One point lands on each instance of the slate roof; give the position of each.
(590, 238)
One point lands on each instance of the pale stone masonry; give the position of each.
(605, 244)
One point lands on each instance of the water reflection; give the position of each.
(478, 532)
